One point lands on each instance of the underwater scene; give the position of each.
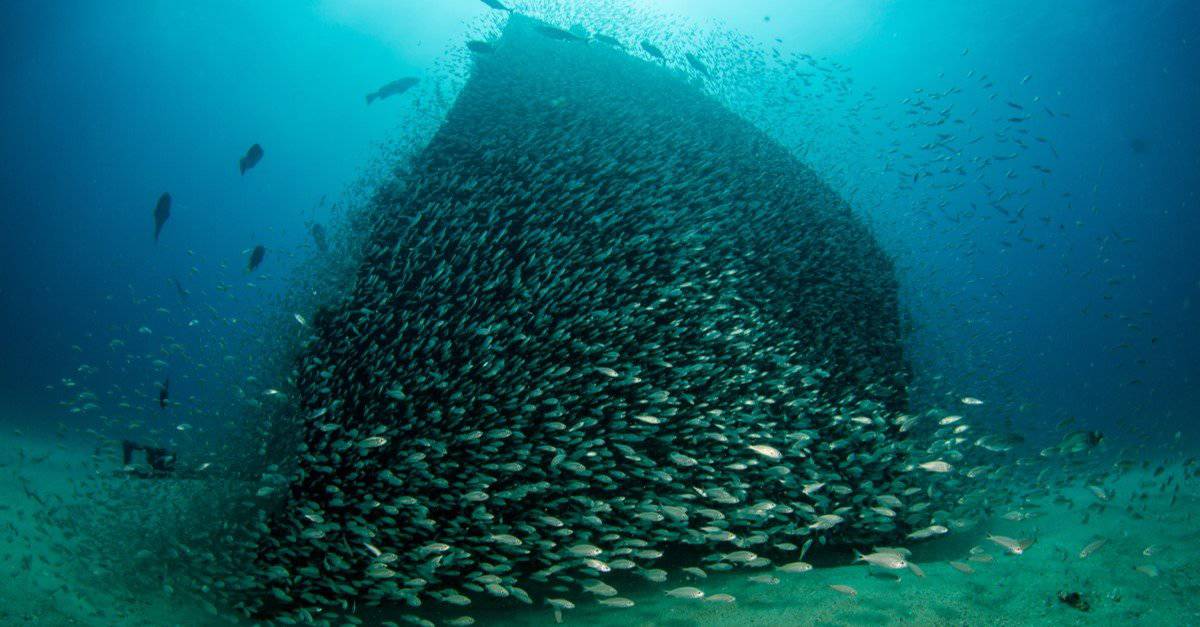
(607, 312)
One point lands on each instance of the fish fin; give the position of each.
(371, 98)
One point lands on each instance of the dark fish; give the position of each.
(999, 442)
(393, 88)
(495, 4)
(611, 41)
(251, 159)
(481, 47)
(1079, 441)
(163, 393)
(318, 235)
(559, 34)
(653, 50)
(256, 258)
(183, 294)
(162, 211)
(697, 64)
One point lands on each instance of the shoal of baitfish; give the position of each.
(600, 321)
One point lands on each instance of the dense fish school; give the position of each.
(601, 319)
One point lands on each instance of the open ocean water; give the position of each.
(628, 312)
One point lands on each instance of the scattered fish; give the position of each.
(653, 50)
(318, 235)
(162, 211)
(1092, 547)
(961, 567)
(1012, 545)
(253, 155)
(163, 393)
(1000, 442)
(256, 258)
(885, 559)
(686, 592)
(697, 64)
(394, 88)
(844, 589)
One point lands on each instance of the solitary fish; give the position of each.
(183, 294)
(697, 64)
(251, 158)
(1092, 547)
(999, 442)
(318, 235)
(256, 258)
(968, 400)
(1079, 441)
(163, 393)
(1012, 545)
(162, 211)
(847, 590)
(882, 559)
(653, 50)
(1149, 570)
(393, 88)
(962, 568)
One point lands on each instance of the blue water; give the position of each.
(107, 106)
(1068, 292)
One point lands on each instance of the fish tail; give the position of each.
(371, 97)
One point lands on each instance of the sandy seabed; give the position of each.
(42, 583)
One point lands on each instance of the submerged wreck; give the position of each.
(600, 320)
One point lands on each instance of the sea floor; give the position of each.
(43, 583)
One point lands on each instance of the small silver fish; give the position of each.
(1092, 547)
